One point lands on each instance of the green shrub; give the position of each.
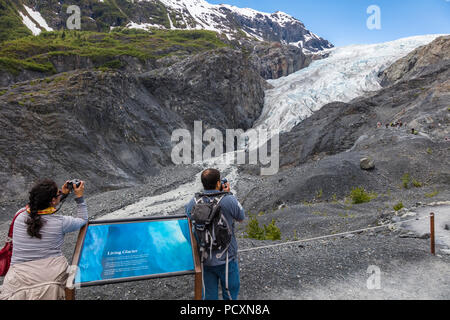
(11, 25)
(359, 195)
(253, 230)
(398, 206)
(417, 184)
(405, 180)
(103, 49)
(272, 232)
(113, 64)
(432, 194)
(268, 232)
(319, 194)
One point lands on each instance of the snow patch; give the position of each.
(143, 26)
(38, 18)
(30, 24)
(170, 21)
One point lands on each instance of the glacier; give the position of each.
(347, 73)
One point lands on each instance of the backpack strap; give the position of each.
(226, 278)
(219, 195)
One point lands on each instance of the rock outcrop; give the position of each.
(420, 62)
(114, 127)
(276, 60)
(221, 87)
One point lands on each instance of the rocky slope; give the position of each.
(231, 96)
(420, 62)
(113, 127)
(276, 60)
(321, 154)
(124, 98)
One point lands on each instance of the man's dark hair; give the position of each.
(210, 178)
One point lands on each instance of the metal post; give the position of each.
(432, 233)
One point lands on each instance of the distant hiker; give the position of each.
(213, 213)
(38, 269)
(379, 125)
(387, 125)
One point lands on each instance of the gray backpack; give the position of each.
(211, 227)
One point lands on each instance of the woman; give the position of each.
(38, 267)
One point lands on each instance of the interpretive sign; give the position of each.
(126, 250)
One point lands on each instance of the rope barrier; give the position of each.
(330, 235)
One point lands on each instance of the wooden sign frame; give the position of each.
(197, 272)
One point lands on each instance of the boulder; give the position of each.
(367, 163)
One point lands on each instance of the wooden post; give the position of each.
(432, 238)
(70, 294)
(198, 282)
(70, 290)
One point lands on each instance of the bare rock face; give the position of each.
(222, 88)
(114, 127)
(423, 60)
(101, 126)
(276, 60)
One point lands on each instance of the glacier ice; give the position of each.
(348, 72)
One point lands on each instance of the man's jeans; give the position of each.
(211, 277)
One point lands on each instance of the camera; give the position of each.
(74, 182)
(222, 183)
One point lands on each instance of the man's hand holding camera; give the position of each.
(225, 186)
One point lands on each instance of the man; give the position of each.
(214, 268)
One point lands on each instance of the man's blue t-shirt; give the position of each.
(232, 210)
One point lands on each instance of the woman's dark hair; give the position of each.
(210, 178)
(41, 196)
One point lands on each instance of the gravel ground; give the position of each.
(334, 268)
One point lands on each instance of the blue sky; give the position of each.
(343, 22)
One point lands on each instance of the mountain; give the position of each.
(101, 15)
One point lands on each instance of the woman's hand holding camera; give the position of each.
(79, 191)
(78, 188)
(65, 189)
